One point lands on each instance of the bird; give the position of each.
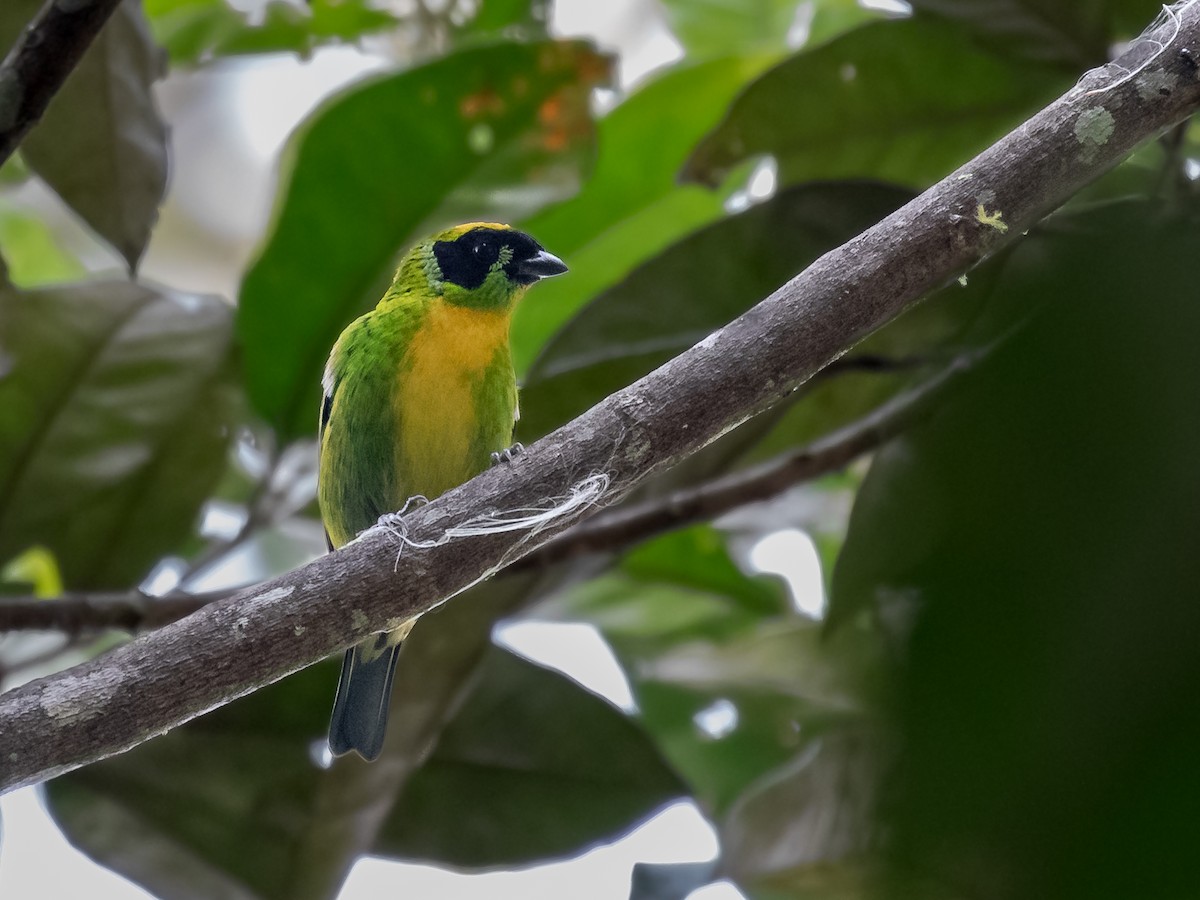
(419, 395)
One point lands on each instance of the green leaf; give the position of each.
(604, 261)
(696, 286)
(235, 804)
(694, 636)
(1075, 34)
(913, 348)
(764, 727)
(37, 568)
(116, 406)
(527, 18)
(906, 101)
(195, 31)
(696, 557)
(102, 145)
(218, 808)
(780, 657)
(438, 670)
(192, 31)
(813, 814)
(1034, 539)
(831, 18)
(200, 31)
(250, 809)
(32, 252)
(531, 762)
(679, 586)
(14, 172)
(303, 29)
(487, 133)
(628, 213)
(713, 27)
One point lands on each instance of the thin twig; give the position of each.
(259, 513)
(79, 612)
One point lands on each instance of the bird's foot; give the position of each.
(395, 520)
(508, 454)
(390, 520)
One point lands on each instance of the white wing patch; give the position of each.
(327, 379)
(328, 384)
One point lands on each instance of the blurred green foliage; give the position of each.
(102, 146)
(1050, 584)
(998, 702)
(195, 31)
(459, 135)
(116, 407)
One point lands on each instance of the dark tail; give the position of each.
(360, 710)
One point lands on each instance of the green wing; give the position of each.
(357, 481)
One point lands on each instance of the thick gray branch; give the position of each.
(229, 648)
(608, 532)
(41, 60)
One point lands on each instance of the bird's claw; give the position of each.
(508, 454)
(394, 520)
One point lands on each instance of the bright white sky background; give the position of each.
(223, 174)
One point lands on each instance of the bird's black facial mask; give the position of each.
(467, 260)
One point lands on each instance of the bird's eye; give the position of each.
(481, 248)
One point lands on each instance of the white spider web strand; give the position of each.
(1170, 14)
(530, 519)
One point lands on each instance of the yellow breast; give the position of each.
(437, 394)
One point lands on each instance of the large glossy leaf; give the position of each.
(101, 144)
(695, 287)
(720, 734)
(810, 817)
(1035, 538)
(1073, 33)
(531, 761)
(199, 31)
(527, 18)
(906, 100)
(236, 803)
(116, 405)
(831, 18)
(628, 213)
(712, 27)
(486, 133)
(218, 808)
(195, 31)
(913, 349)
(32, 252)
(676, 587)
(728, 681)
(297, 827)
(696, 557)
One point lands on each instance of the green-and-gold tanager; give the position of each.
(418, 395)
